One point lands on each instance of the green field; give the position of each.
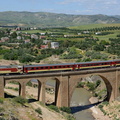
(90, 26)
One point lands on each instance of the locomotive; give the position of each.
(25, 69)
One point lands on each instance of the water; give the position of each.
(80, 104)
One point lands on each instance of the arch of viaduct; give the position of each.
(65, 83)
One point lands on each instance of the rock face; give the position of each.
(93, 100)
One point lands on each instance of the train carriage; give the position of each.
(10, 69)
(48, 67)
(58, 67)
(97, 64)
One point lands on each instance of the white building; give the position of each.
(54, 45)
(34, 36)
(46, 41)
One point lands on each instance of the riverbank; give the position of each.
(96, 112)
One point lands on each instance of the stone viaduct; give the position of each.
(65, 83)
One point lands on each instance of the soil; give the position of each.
(46, 113)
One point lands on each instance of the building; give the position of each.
(19, 37)
(42, 37)
(44, 47)
(46, 41)
(54, 45)
(4, 39)
(34, 36)
(27, 41)
(42, 33)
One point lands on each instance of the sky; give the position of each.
(77, 7)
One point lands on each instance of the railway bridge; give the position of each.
(65, 83)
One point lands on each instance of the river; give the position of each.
(79, 103)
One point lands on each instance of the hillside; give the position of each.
(44, 19)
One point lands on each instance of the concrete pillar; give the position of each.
(19, 89)
(2, 86)
(23, 89)
(57, 90)
(117, 84)
(63, 92)
(39, 88)
(42, 93)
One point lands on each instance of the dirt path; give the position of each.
(46, 113)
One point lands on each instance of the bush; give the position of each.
(38, 110)
(2, 109)
(55, 108)
(1, 101)
(100, 106)
(20, 100)
(70, 117)
(91, 86)
(105, 103)
(65, 109)
(81, 84)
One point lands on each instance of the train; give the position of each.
(25, 69)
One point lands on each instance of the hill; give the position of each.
(44, 19)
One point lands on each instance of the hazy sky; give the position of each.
(84, 7)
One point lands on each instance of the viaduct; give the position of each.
(65, 83)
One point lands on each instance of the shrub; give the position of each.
(70, 117)
(20, 100)
(105, 103)
(1, 101)
(81, 84)
(65, 109)
(2, 109)
(55, 108)
(38, 110)
(91, 86)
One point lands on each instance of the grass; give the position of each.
(90, 26)
(1, 56)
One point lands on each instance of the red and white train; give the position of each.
(58, 67)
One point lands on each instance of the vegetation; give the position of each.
(42, 19)
(20, 100)
(38, 110)
(65, 109)
(79, 45)
(53, 107)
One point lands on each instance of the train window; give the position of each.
(41, 67)
(59, 66)
(32, 68)
(83, 65)
(50, 67)
(37, 68)
(29, 68)
(55, 66)
(46, 67)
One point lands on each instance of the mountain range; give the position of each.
(45, 19)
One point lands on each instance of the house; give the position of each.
(42, 37)
(86, 32)
(4, 39)
(19, 37)
(27, 41)
(42, 33)
(79, 33)
(44, 46)
(54, 45)
(34, 36)
(98, 33)
(46, 41)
